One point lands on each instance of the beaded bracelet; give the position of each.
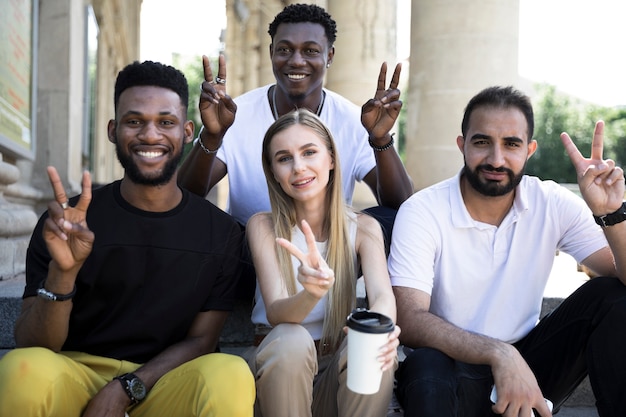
(382, 148)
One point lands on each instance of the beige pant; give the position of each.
(292, 381)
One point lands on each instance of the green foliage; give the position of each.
(556, 113)
(615, 122)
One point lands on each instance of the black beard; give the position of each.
(492, 188)
(298, 99)
(134, 174)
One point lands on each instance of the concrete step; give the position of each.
(10, 303)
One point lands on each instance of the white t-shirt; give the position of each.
(482, 278)
(241, 149)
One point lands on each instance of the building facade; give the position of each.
(58, 67)
(59, 60)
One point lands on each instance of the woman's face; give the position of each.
(300, 162)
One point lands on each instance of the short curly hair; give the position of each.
(149, 73)
(304, 13)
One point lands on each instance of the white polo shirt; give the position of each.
(482, 278)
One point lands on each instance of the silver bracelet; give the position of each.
(204, 148)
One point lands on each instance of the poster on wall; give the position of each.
(16, 57)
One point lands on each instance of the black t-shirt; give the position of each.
(148, 275)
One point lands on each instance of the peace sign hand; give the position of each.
(313, 273)
(217, 109)
(65, 231)
(601, 183)
(379, 114)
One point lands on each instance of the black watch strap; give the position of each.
(133, 386)
(52, 296)
(612, 218)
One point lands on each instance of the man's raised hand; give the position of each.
(601, 182)
(217, 109)
(65, 231)
(379, 114)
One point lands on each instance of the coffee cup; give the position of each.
(368, 332)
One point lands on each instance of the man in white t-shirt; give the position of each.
(469, 262)
(301, 52)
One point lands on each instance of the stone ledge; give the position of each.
(10, 305)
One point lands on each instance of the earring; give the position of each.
(328, 65)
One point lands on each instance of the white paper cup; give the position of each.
(367, 333)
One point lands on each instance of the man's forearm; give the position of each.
(427, 330)
(394, 185)
(616, 236)
(43, 323)
(195, 174)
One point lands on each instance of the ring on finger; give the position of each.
(220, 80)
(65, 205)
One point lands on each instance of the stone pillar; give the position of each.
(457, 49)
(366, 36)
(16, 224)
(60, 92)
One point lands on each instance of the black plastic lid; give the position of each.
(369, 322)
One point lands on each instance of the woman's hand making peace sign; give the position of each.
(313, 273)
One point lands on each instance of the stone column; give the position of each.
(60, 92)
(457, 49)
(16, 224)
(366, 36)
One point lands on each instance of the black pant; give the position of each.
(586, 334)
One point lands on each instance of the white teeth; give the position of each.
(302, 182)
(149, 154)
(296, 76)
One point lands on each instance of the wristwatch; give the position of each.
(133, 386)
(612, 218)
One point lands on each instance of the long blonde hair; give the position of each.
(340, 251)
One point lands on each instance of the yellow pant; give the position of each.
(36, 382)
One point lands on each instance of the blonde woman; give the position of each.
(307, 253)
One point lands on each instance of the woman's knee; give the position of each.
(288, 348)
(289, 340)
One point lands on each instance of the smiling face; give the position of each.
(299, 54)
(495, 149)
(300, 162)
(149, 133)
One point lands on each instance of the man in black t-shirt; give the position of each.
(129, 286)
